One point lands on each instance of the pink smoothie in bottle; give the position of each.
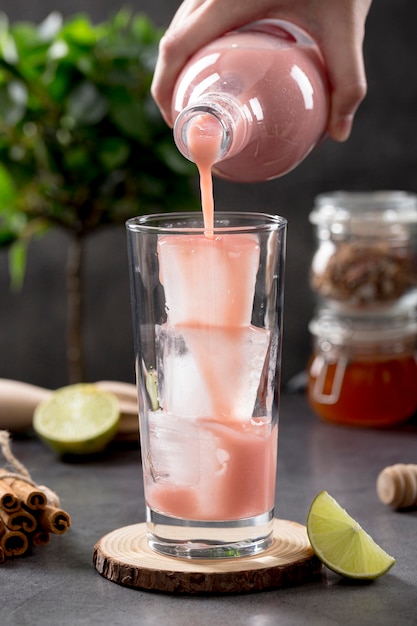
(267, 88)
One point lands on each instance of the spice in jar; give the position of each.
(367, 248)
(363, 370)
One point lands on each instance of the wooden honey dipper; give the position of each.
(396, 485)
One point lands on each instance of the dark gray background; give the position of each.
(381, 154)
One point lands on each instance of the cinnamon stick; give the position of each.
(32, 497)
(54, 520)
(40, 538)
(14, 543)
(19, 520)
(29, 513)
(8, 499)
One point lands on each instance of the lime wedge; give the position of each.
(341, 544)
(77, 419)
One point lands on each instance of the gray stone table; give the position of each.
(58, 585)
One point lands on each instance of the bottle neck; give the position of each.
(214, 127)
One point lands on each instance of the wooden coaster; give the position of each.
(124, 557)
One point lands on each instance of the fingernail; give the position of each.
(342, 128)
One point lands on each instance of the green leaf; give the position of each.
(144, 30)
(58, 50)
(8, 49)
(17, 264)
(86, 105)
(131, 119)
(50, 26)
(79, 30)
(7, 190)
(6, 238)
(77, 159)
(13, 100)
(113, 152)
(121, 20)
(173, 159)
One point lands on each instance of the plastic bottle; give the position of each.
(264, 88)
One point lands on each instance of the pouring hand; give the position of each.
(338, 26)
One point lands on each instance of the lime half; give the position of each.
(77, 419)
(341, 544)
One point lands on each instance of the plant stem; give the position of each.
(74, 343)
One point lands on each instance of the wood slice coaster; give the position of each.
(124, 557)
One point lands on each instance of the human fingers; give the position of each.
(341, 42)
(196, 23)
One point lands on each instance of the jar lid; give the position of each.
(373, 207)
(340, 329)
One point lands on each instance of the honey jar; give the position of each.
(366, 256)
(363, 370)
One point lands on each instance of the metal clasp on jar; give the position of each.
(340, 362)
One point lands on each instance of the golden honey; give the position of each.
(363, 372)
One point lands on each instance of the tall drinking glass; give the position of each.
(207, 319)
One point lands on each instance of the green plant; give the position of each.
(82, 144)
